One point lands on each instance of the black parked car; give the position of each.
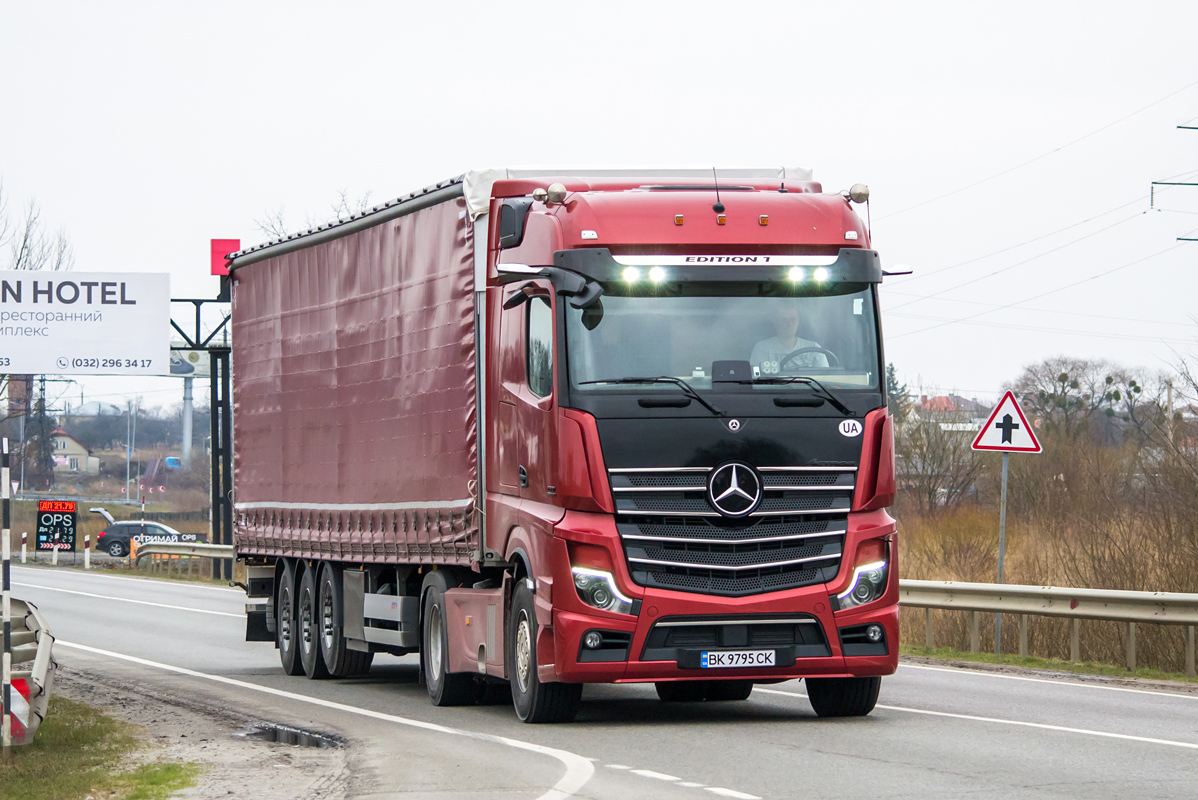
(115, 539)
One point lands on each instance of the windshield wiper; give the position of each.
(820, 389)
(686, 388)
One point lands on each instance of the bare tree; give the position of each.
(938, 467)
(273, 223)
(29, 244)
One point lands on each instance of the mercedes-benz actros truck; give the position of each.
(551, 428)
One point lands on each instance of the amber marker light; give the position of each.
(721, 219)
(677, 219)
(764, 219)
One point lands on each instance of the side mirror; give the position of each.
(512, 216)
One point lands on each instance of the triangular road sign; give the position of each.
(1007, 430)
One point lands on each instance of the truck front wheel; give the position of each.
(843, 697)
(534, 701)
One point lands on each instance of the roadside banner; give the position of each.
(84, 323)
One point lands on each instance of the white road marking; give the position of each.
(617, 766)
(732, 793)
(578, 769)
(143, 581)
(1019, 723)
(127, 600)
(648, 773)
(1064, 682)
(691, 785)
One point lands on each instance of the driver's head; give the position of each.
(786, 321)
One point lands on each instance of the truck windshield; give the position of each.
(755, 334)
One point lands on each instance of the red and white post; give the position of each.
(6, 602)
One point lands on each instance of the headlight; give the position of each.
(598, 588)
(869, 582)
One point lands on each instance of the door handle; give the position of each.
(523, 478)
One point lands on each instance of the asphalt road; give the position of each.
(936, 732)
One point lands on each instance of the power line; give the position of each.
(1042, 294)
(1131, 337)
(921, 298)
(908, 279)
(1039, 157)
(996, 306)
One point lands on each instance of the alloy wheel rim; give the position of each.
(285, 620)
(434, 642)
(523, 651)
(326, 622)
(306, 621)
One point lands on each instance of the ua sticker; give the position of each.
(850, 427)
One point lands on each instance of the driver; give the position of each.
(768, 354)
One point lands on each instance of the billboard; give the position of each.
(84, 323)
(56, 524)
(190, 364)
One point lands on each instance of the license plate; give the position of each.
(737, 658)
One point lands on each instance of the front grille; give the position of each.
(674, 538)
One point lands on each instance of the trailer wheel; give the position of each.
(729, 690)
(445, 688)
(285, 630)
(843, 697)
(534, 701)
(308, 627)
(681, 691)
(340, 661)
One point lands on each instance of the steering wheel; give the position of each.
(833, 361)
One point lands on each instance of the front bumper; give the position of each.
(642, 661)
(635, 649)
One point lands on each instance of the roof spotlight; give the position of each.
(657, 274)
(632, 274)
(796, 274)
(821, 274)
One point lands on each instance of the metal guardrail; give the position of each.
(169, 555)
(31, 641)
(1130, 608)
(197, 550)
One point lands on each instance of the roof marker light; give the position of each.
(677, 219)
(657, 274)
(764, 219)
(720, 219)
(632, 274)
(821, 274)
(796, 274)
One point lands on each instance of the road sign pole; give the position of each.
(1002, 547)
(5, 611)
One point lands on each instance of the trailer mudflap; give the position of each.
(256, 628)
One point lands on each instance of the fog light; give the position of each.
(873, 633)
(593, 640)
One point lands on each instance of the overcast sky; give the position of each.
(146, 129)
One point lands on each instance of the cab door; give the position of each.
(537, 446)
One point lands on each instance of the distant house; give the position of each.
(71, 456)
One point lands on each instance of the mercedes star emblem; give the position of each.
(734, 489)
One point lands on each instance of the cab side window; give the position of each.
(540, 347)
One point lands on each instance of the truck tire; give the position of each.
(285, 630)
(339, 660)
(729, 690)
(308, 627)
(843, 697)
(445, 688)
(681, 691)
(535, 702)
